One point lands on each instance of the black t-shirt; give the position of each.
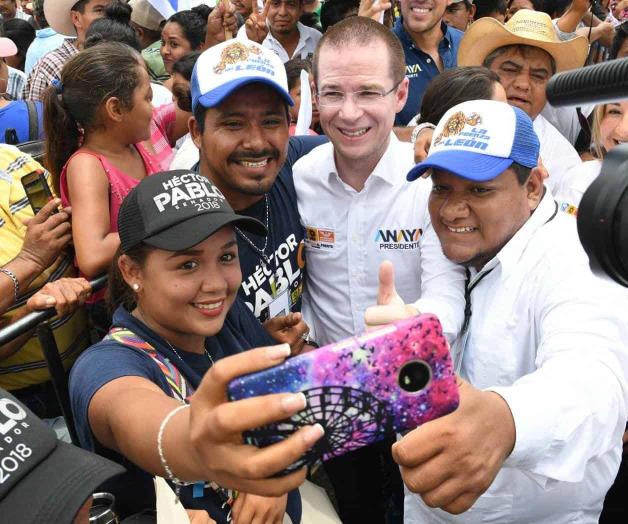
(109, 360)
(284, 253)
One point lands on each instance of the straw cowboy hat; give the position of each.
(58, 16)
(526, 27)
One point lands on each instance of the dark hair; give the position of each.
(118, 291)
(488, 7)
(522, 48)
(294, 68)
(114, 27)
(184, 66)
(38, 13)
(88, 79)
(333, 11)
(454, 86)
(621, 33)
(522, 172)
(193, 22)
(361, 30)
(22, 33)
(554, 8)
(80, 6)
(311, 20)
(538, 5)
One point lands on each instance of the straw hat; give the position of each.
(526, 27)
(58, 16)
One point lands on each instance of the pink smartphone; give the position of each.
(392, 379)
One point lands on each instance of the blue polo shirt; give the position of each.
(420, 67)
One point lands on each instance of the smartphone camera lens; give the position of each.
(414, 376)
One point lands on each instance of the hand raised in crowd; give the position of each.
(65, 295)
(253, 508)
(422, 144)
(452, 460)
(373, 9)
(216, 426)
(288, 329)
(47, 234)
(390, 306)
(199, 516)
(604, 33)
(256, 27)
(221, 24)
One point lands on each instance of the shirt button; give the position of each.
(429, 60)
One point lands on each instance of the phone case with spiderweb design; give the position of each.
(359, 389)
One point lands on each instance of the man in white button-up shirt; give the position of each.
(359, 210)
(537, 437)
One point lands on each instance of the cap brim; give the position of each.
(465, 164)
(193, 231)
(57, 488)
(7, 47)
(216, 96)
(487, 34)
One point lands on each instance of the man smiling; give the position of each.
(537, 435)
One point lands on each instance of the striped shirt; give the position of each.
(27, 366)
(15, 83)
(48, 69)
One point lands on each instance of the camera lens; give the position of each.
(414, 376)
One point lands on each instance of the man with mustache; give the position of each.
(240, 103)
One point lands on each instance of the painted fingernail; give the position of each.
(278, 352)
(294, 402)
(312, 434)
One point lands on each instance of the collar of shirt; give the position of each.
(45, 32)
(385, 169)
(446, 42)
(510, 254)
(304, 38)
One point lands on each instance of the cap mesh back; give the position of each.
(130, 222)
(526, 146)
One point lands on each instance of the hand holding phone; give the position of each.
(388, 380)
(37, 190)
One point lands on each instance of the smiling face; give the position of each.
(422, 16)
(614, 125)
(244, 143)
(184, 296)
(283, 16)
(474, 220)
(174, 44)
(524, 73)
(359, 131)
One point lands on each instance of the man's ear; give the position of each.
(75, 16)
(195, 132)
(535, 188)
(401, 96)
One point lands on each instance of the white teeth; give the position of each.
(360, 132)
(461, 229)
(420, 10)
(215, 305)
(261, 163)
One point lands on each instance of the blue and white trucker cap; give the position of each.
(228, 66)
(480, 139)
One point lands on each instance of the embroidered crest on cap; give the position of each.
(234, 53)
(455, 125)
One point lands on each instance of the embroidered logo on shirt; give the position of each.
(570, 209)
(319, 238)
(398, 238)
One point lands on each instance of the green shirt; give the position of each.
(154, 63)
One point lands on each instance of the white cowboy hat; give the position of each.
(58, 16)
(526, 27)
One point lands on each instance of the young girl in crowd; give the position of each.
(101, 126)
(183, 32)
(293, 73)
(175, 282)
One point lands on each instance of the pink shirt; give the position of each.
(161, 135)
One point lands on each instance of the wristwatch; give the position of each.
(418, 129)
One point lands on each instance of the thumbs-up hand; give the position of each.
(390, 305)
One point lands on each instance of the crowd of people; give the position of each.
(258, 179)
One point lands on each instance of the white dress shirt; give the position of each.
(308, 38)
(550, 338)
(575, 186)
(565, 119)
(558, 155)
(349, 233)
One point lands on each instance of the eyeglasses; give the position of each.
(366, 97)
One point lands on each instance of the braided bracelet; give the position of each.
(11, 275)
(177, 482)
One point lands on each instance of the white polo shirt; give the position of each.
(349, 233)
(557, 154)
(308, 38)
(550, 338)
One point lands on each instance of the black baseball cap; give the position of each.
(175, 210)
(42, 478)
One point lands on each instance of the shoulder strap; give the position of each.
(33, 121)
(180, 387)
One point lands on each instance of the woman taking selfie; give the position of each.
(151, 395)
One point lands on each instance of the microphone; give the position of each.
(596, 84)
